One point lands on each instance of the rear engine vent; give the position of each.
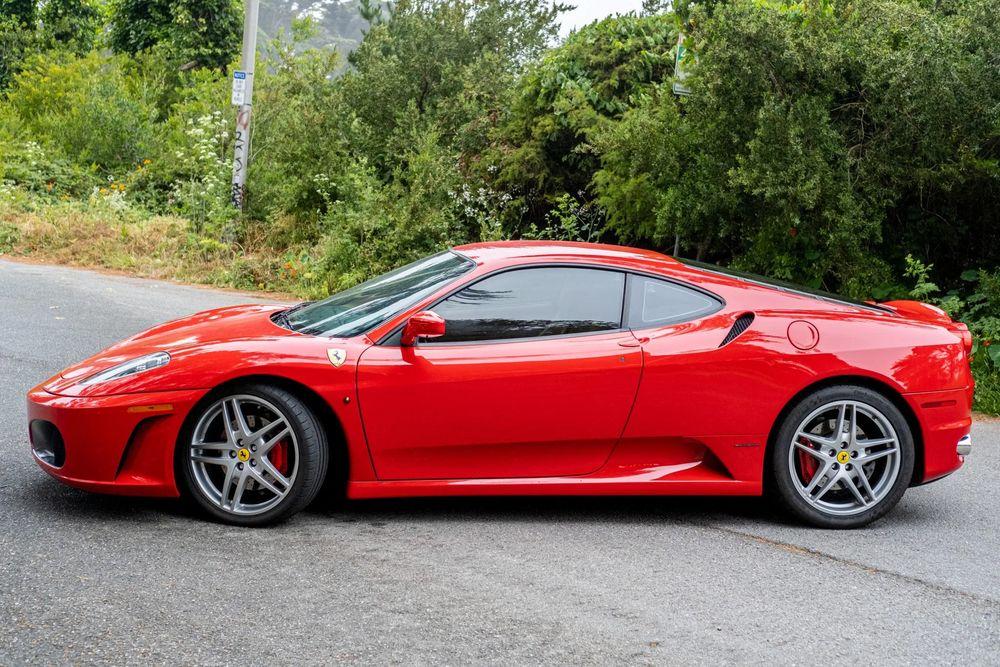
(742, 324)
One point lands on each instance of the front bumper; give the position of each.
(122, 444)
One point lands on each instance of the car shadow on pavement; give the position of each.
(561, 509)
(54, 499)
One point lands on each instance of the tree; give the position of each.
(542, 150)
(137, 25)
(21, 11)
(655, 6)
(16, 42)
(207, 32)
(71, 24)
(821, 142)
(203, 33)
(371, 11)
(444, 66)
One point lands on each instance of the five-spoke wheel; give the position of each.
(843, 458)
(253, 455)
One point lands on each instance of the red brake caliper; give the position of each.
(808, 466)
(279, 457)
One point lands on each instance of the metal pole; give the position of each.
(241, 158)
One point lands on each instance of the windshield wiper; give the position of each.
(283, 319)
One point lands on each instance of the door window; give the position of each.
(654, 303)
(529, 303)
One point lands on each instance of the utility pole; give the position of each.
(243, 99)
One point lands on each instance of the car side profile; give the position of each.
(523, 368)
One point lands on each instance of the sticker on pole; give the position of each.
(239, 87)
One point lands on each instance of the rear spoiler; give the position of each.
(925, 312)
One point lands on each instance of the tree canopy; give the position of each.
(202, 32)
(821, 142)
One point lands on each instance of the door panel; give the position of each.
(525, 408)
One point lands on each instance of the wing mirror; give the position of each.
(425, 324)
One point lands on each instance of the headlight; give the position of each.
(140, 365)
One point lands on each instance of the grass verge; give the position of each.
(166, 247)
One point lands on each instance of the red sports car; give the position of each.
(523, 369)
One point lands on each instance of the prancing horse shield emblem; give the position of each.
(337, 356)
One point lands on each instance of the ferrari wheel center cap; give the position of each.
(243, 455)
(843, 457)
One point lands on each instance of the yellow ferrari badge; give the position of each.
(843, 457)
(243, 455)
(337, 356)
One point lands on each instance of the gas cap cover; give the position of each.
(803, 335)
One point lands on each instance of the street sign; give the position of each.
(239, 87)
(679, 72)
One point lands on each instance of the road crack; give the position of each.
(870, 569)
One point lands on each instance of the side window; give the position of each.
(527, 303)
(654, 303)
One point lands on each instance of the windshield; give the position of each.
(365, 306)
(781, 285)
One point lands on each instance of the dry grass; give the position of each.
(165, 247)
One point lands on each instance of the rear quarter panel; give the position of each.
(730, 397)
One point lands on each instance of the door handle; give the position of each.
(638, 342)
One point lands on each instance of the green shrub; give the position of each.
(543, 149)
(300, 129)
(978, 306)
(9, 236)
(426, 207)
(95, 110)
(17, 41)
(820, 143)
(202, 32)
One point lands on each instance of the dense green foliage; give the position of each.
(544, 150)
(70, 24)
(819, 147)
(843, 144)
(205, 33)
(22, 11)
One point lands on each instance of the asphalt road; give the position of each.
(89, 579)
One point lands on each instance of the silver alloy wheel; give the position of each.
(844, 458)
(230, 455)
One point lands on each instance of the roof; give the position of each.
(495, 254)
(565, 251)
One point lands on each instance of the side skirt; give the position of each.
(553, 486)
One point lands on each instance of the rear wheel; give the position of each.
(843, 457)
(253, 456)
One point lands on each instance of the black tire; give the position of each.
(783, 487)
(313, 456)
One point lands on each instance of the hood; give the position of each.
(233, 328)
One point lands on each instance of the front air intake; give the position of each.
(47, 442)
(741, 324)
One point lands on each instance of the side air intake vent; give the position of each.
(742, 324)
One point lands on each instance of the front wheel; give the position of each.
(843, 457)
(252, 456)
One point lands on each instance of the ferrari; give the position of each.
(523, 368)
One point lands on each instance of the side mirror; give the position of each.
(425, 324)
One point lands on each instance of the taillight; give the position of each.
(963, 331)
